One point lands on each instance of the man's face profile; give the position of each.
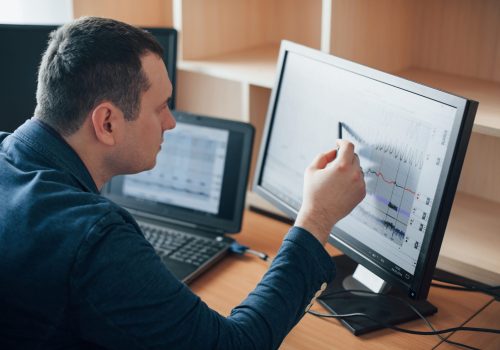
(144, 135)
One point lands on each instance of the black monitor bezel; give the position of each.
(18, 118)
(419, 287)
(239, 169)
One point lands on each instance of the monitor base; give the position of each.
(383, 307)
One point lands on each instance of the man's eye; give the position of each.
(164, 106)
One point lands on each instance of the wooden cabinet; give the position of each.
(228, 51)
(141, 13)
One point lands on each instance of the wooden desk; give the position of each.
(229, 282)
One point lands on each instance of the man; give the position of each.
(76, 270)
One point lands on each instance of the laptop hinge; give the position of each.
(207, 229)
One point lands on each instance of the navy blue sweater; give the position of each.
(77, 272)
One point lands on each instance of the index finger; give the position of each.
(345, 150)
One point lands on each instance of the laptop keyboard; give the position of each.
(181, 246)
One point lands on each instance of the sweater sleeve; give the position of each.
(301, 267)
(124, 297)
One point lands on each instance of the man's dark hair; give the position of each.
(88, 61)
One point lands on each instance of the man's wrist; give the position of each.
(316, 225)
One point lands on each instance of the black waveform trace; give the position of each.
(389, 228)
(404, 153)
(392, 206)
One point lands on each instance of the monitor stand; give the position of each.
(382, 307)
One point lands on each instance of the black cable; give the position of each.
(462, 345)
(429, 324)
(446, 340)
(447, 330)
(455, 287)
(409, 331)
(462, 289)
(466, 287)
(398, 329)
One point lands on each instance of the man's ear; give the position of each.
(107, 120)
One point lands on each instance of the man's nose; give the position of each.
(169, 120)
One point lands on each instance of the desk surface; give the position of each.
(228, 283)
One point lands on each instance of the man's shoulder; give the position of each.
(89, 211)
(57, 205)
(102, 212)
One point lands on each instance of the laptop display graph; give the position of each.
(189, 170)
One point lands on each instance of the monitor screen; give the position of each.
(411, 142)
(22, 49)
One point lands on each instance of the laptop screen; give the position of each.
(200, 175)
(189, 170)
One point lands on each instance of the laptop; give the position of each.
(194, 197)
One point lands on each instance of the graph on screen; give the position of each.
(188, 171)
(400, 137)
(391, 165)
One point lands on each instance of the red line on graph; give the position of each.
(390, 182)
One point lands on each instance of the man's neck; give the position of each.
(91, 156)
(78, 147)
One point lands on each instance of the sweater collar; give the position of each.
(47, 142)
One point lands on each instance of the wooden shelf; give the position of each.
(470, 245)
(486, 92)
(254, 66)
(257, 66)
(157, 13)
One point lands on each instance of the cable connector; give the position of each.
(242, 249)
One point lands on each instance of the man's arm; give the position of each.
(126, 298)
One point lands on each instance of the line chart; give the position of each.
(392, 166)
(390, 182)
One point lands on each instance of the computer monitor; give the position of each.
(411, 140)
(22, 49)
